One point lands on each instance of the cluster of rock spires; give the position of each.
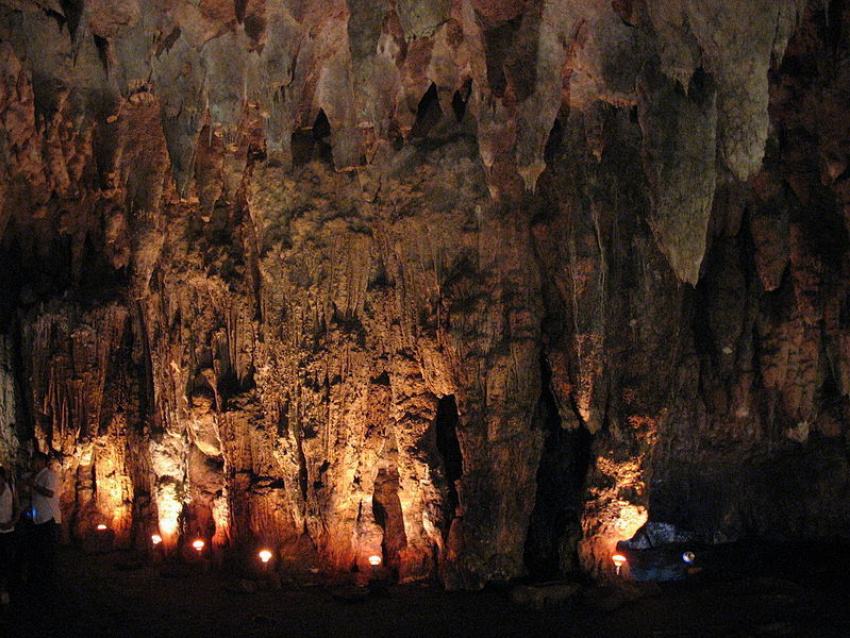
(476, 285)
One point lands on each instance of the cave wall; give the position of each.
(250, 249)
(8, 405)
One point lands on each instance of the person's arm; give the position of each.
(44, 490)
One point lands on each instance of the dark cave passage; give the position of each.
(554, 529)
(446, 424)
(428, 113)
(386, 508)
(460, 100)
(313, 143)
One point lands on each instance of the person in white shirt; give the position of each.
(46, 517)
(9, 513)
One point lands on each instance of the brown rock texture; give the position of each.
(475, 286)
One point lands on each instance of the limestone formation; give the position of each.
(472, 285)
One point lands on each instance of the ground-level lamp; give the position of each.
(376, 585)
(101, 538)
(198, 546)
(157, 547)
(375, 562)
(619, 560)
(265, 556)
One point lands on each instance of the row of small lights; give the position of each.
(199, 544)
(265, 555)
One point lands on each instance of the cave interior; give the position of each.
(479, 287)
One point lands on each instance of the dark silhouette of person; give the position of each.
(10, 511)
(46, 517)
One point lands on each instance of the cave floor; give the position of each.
(786, 591)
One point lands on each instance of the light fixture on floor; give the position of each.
(265, 556)
(619, 561)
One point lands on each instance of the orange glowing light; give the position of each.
(156, 539)
(168, 527)
(169, 505)
(265, 555)
(374, 560)
(619, 561)
(101, 527)
(198, 545)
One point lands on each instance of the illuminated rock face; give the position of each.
(474, 286)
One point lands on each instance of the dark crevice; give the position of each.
(11, 282)
(446, 425)
(625, 10)
(386, 508)
(382, 379)
(146, 393)
(23, 427)
(701, 87)
(60, 19)
(254, 27)
(322, 138)
(555, 143)
(428, 113)
(701, 323)
(825, 230)
(835, 19)
(73, 10)
(28, 276)
(239, 7)
(102, 46)
(313, 143)
(499, 49)
(168, 41)
(303, 478)
(460, 99)
(554, 528)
